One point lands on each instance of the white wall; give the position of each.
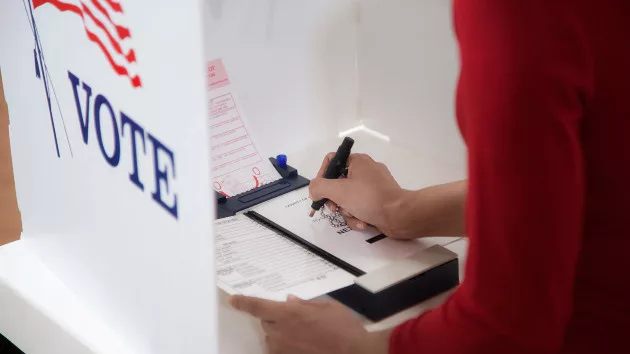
(408, 74)
(292, 63)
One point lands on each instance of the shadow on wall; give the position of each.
(10, 220)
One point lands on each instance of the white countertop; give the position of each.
(41, 315)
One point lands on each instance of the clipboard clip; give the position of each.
(289, 182)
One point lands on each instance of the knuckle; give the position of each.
(314, 187)
(252, 308)
(364, 158)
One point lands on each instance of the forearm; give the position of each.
(433, 211)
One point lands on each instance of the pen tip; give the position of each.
(311, 213)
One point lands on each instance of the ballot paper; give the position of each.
(366, 250)
(238, 165)
(255, 261)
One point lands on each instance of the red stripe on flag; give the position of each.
(123, 32)
(62, 6)
(131, 56)
(100, 25)
(136, 82)
(119, 69)
(114, 5)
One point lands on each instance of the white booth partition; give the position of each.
(107, 108)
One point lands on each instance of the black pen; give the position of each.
(335, 169)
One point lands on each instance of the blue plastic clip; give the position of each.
(282, 160)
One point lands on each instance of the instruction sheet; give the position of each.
(238, 165)
(255, 261)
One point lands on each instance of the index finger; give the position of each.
(329, 157)
(265, 310)
(324, 166)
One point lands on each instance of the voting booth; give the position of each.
(147, 139)
(107, 107)
(319, 68)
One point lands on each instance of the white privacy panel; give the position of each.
(107, 110)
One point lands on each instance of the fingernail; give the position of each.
(361, 225)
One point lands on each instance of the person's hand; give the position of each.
(369, 194)
(308, 327)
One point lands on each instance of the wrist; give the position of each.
(372, 343)
(433, 211)
(402, 216)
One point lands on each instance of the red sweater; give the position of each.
(544, 106)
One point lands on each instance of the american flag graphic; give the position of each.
(104, 25)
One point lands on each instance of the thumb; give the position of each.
(331, 189)
(293, 298)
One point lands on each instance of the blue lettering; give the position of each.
(133, 129)
(100, 100)
(162, 175)
(85, 123)
(164, 166)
